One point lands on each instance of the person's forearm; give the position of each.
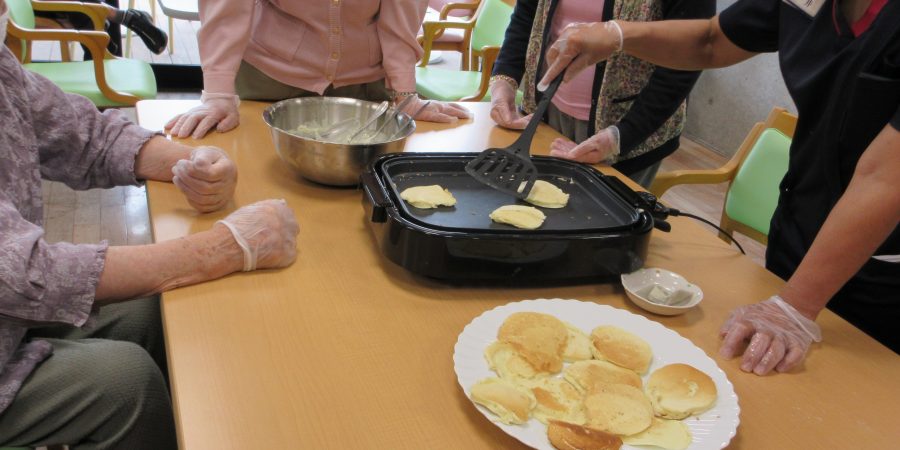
(681, 44)
(861, 220)
(222, 40)
(156, 158)
(133, 271)
(398, 23)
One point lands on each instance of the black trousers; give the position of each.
(83, 22)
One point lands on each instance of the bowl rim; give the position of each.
(269, 111)
(695, 299)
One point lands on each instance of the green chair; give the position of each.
(483, 38)
(107, 81)
(753, 173)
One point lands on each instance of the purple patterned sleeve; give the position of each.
(43, 283)
(78, 145)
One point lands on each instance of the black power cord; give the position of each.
(675, 212)
(660, 212)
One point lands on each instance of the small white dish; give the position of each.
(661, 291)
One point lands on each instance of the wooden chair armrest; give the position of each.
(96, 12)
(431, 30)
(445, 11)
(488, 56)
(664, 181)
(96, 41)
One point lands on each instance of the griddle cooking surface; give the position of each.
(592, 206)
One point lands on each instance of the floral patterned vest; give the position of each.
(623, 79)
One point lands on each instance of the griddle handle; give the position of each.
(625, 192)
(662, 225)
(375, 196)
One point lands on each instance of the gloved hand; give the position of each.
(503, 106)
(267, 232)
(595, 149)
(219, 110)
(579, 46)
(436, 111)
(779, 336)
(207, 179)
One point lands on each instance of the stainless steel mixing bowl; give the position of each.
(331, 163)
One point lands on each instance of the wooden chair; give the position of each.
(453, 39)
(107, 81)
(753, 175)
(484, 34)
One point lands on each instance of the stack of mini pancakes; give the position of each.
(601, 400)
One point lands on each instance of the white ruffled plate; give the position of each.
(711, 430)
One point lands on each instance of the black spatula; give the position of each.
(505, 169)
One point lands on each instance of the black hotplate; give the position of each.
(602, 231)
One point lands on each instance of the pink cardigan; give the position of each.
(311, 44)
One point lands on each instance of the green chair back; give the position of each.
(753, 194)
(21, 12)
(490, 26)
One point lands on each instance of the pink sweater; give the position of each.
(311, 44)
(574, 97)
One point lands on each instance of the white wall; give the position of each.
(726, 103)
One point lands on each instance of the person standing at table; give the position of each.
(272, 50)
(80, 365)
(625, 111)
(834, 236)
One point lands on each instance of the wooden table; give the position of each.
(346, 350)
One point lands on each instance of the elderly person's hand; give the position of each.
(435, 111)
(207, 179)
(503, 106)
(216, 110)
(779, 336)
(267, 232)
(595, 149)
(581, 45)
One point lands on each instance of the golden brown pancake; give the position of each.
(539, 338)
(679, 390)
(668, 434)
(569, 436)
(621, 348)
(511, 403)
(578, 345)
(557, 399)
(584, 375)
(618, 409)
(504, 359)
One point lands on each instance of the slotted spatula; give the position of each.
(505, 169)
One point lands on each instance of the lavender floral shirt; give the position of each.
(45, 133)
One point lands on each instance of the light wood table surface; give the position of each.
(344, 349)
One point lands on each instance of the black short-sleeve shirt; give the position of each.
(847, 89)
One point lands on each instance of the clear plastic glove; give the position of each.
(436, 111)
(216, 110)
(578, 47)
(503, 106)
(267, 232)
(779, 336)
(207, 179)
(595, 149)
